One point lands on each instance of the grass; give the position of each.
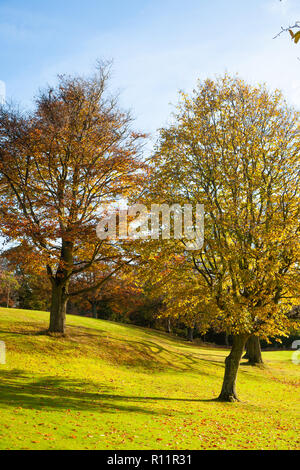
(111, 386)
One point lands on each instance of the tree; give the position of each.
(9, 284)
(33, 291)
(111, 300)
(75, 152)
(235, 148)
(253, 351)
(293, 30)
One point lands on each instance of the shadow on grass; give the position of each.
(145, 353)
(56, 393)
(19, 330)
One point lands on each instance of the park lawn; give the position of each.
(112, 386)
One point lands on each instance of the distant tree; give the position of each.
(101, 301)
(9, 286)
(33, 291)
(253, 351)
(75, 152)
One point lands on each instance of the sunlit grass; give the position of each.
(112, 386)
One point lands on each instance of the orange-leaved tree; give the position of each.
(58, 164)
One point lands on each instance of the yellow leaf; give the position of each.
(297, 37)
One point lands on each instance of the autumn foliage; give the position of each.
(232, 147)
(75, 152)
(235, 149)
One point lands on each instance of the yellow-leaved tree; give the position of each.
(235, 148)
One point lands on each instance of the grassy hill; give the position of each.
(111, 386)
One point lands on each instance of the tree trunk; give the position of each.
(253, 351)
(8, 294)
(60, 285)
(169, 328)
(190, 334)
(58, 309)
(94, 310)
(232, 362)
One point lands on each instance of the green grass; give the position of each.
(111, 386)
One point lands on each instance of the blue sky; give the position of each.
(158, 46)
